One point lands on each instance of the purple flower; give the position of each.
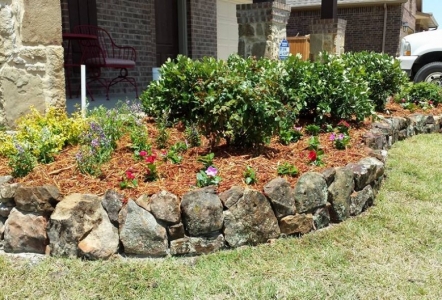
(340, 136)
(211, 171)
(95, 143)
(297, 128)
(332, 137)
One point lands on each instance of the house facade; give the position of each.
(371, 25)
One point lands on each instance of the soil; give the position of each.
(181, 178)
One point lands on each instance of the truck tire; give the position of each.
(431, 72)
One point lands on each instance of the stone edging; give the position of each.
(39, 220)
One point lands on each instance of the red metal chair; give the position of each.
(104, 53)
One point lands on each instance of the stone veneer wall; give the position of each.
(262, 27)
(40, 220)
(31, 58)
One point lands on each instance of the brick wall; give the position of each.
(364, 27)
(202, 28)
(132, 23)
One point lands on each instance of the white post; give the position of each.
(83, 90)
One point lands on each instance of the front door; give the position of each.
(166, 23)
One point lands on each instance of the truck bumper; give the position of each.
(407, 63)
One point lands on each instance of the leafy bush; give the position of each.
(420, 94)
(381, 71)
(333, 89)
(237, 100)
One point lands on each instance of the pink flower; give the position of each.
(332, 137)
(297, 128)
(211, 171)
(340, 136)
(312, 155)
(151, 159)
(143, 153)
(130, 175)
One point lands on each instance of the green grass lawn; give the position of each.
(393, 251)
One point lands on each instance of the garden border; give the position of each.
(39, 220)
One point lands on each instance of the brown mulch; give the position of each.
(181, 178)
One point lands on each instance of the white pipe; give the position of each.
(384, 34)
(83, 90)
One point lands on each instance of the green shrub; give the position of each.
(237, 100)
(330, 88)
(381, 71)
(421, 94)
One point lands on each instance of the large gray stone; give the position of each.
(41, 199)
(196, 246)
(140, 233)
(281, 196)
(250, 221)
(25, 232)
(231, 196)
(102, 242)
(73, 218)
(112, 202)
(165, 207)
(339, 194)
(298, 224)
(321, 217)
(310, 192)
(366, 171)
(202, 212)
(361, 200)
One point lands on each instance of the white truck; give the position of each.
(421, 56)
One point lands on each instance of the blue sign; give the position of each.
(284, 49)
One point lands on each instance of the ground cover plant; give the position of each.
(392, 251)
(255, 119)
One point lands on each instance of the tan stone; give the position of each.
(41, 22)
(298, 224)
(21, 90)
(25, 232)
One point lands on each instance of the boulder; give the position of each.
(366, 171)
(329, 175)
(361, 200)
(250, 221)
(375, 139)
(202, 212)
(7, 191)
(41, 199)
(165, 207)
(310, 192)
(140, 233)
(321, 217)
(339, 194)
(6, 207)
(25, 232)
(102, 242)
(231, 196)
(196, 246)
(5, 179)
(281, 197)
(298, 224)
(112, 202)
(176, 231)
(72, 220)
(144, 202)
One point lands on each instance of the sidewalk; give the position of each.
(73, 104)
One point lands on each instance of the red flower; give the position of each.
(130, 175)
(143, 153)
(344, 123)
(312, 155)
(150, 159)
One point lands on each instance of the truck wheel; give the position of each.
(431, 72)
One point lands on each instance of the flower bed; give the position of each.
(200, 221)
